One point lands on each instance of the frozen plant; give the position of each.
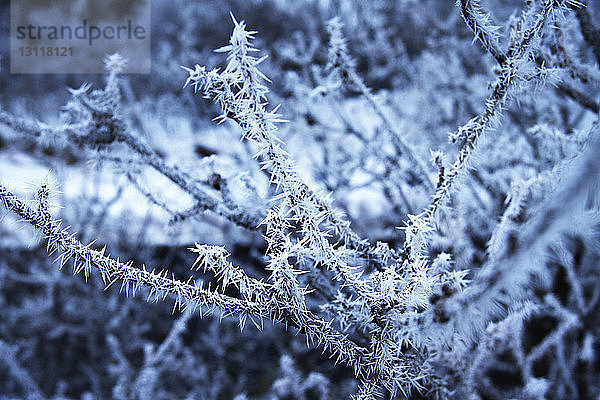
(407, 320)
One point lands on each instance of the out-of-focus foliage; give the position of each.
(425, 219)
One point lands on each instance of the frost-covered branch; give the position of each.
(187, 294)
(513, 75)
(480, 24)
(111, 129)
(61, 241)
(240, 92)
